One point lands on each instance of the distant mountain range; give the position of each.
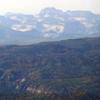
(50, 24)
(64, 67)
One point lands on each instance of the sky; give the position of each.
(34, 6)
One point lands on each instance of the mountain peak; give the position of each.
(51, 11)
(49, 25)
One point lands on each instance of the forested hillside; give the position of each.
(54, 70)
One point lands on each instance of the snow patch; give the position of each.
(22, 28)
(58, 28)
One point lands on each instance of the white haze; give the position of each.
(33, 6)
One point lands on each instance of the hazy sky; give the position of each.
(31, 6)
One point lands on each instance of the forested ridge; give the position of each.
(62, 70)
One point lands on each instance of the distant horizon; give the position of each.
(24, 13)
(35, 6)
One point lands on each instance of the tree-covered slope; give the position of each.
(62, 67)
